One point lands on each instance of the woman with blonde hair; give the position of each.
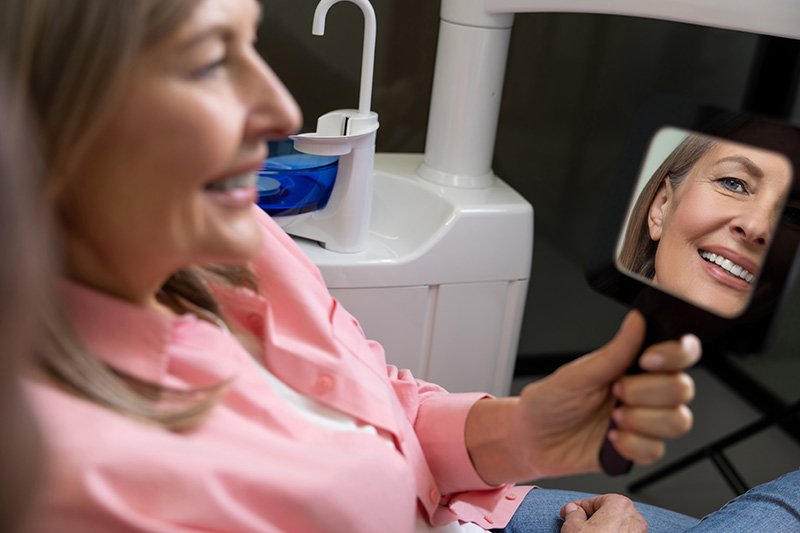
(197, 375)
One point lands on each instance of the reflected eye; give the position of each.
(734, 185)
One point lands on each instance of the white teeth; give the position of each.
(244, 180)
(731, 267)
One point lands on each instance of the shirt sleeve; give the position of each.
(439, 418)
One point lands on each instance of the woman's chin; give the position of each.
(729, 309)
(236, 246)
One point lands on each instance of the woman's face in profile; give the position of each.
(169, 181)
(714, 229)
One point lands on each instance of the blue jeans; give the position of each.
(771, 507)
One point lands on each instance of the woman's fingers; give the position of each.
(573, 507)
(653, 405)
(654, 423)
(672, 356)
(637, 448)
(655, 390)
(604, 513)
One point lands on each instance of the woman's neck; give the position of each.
(130, 280)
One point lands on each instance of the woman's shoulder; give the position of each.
(67, 420)
(103, 468)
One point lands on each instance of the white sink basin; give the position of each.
(442, 282)
(421, 233)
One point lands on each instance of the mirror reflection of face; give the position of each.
(713, 228)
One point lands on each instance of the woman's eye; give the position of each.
(734, 185)
(210, 69)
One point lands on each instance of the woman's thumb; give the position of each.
(572, 514)
(571, 508)
(616, 356)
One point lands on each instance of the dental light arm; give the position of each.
(471, 58)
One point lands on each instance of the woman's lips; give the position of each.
(734, 269)
(238, 197)
(729, 268)
(237, 191)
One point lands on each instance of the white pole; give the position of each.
(471, 58)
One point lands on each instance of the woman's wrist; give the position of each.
(490, 439)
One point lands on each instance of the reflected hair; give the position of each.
(639, 250)
(70, 58)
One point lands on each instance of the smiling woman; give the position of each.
(178, 83)
(205, 89)
(196, 372)
(702, 225)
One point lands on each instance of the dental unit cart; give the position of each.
(437, 274)
(436, 265)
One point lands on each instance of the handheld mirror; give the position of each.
(702, 227)
(702, 216)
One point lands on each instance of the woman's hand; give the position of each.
(557, 424)
(612, 513)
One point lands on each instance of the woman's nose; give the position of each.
(274, 113)
(754, 226)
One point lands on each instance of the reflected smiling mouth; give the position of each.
(729, 266)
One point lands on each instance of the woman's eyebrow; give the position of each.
(221, 29)
(746, 162)
(216, 30)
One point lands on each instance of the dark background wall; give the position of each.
(573, 85)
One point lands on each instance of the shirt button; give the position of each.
(488, 519)
(324, 384)
(511, 496)
(433, 495)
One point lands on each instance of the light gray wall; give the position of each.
(573, 85)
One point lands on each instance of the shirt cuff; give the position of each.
(440, 427)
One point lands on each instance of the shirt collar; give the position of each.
(129, 338)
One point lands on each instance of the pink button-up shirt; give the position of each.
(254, 464)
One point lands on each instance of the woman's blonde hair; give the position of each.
(24, 292)
(639, 250)
(69, 59)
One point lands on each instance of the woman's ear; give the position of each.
(655, 215)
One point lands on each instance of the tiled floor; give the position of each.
(700, 489)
